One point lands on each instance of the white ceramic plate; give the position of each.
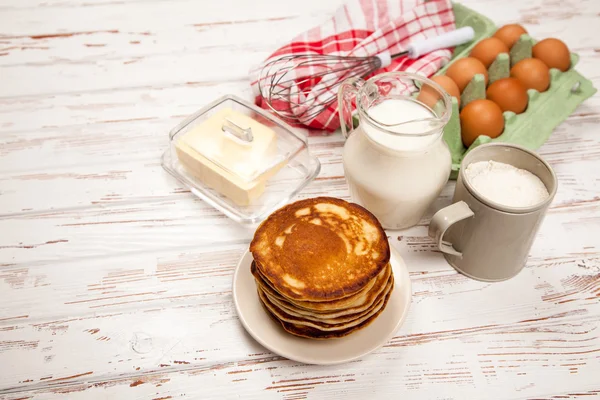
(333, 351)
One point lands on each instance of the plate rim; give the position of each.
(299, 357)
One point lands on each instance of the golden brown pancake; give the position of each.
(326, 323)
(320, 249)
(346, 315)
(311, 304)
(356, 303)
(313, 333)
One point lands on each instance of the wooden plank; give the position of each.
(112, 48)
(121, 53)
(10, 4)
(149, 183)
(318, 382)
(184, 221)
(83, 114)
(177, 223)
(140, 178)
(181, 302)
(150, 16)
(97, 127)
(185, 68)
(129, 44)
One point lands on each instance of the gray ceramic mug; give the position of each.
(481, 238)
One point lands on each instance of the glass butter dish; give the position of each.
(240, 159)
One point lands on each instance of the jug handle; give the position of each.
(346, 93)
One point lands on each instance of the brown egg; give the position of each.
(554, 53)
(429, 96)
(532, 73)
(488, 49)
(509, 34)
(509, 94)
(464, 69)
(480, 117)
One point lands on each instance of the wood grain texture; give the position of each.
(115, 282)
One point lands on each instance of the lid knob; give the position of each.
(234, 129)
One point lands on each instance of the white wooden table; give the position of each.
(115, 282)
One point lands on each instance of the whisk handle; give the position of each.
(448, 39)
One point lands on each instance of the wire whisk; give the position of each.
(299, 87)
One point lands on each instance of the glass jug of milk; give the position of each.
(396, 161)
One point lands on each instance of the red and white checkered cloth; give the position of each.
(363, 28)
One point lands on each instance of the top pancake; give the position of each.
(320, 249)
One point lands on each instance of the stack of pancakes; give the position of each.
(322, 267)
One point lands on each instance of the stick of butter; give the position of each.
(228, 164)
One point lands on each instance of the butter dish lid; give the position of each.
(240, 159)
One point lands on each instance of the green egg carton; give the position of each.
(545, 111)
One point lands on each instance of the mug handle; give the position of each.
(444, 219)
(346, 94)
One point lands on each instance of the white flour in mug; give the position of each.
(506, 184)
